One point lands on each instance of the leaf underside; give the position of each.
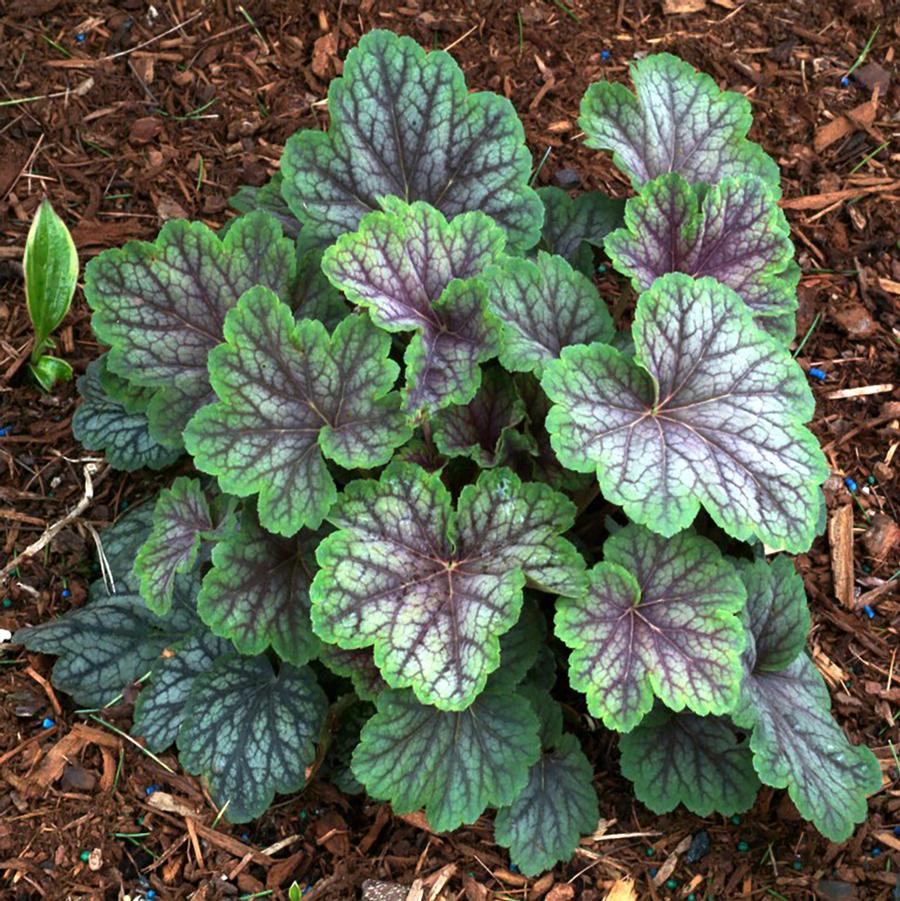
(403, 123)
(708, 412)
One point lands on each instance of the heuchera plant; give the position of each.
(413, 419)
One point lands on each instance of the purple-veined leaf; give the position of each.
(531, 454)
(544, 824)
(415, 271)
(573, 224)
(681, 758)
(251, 731)
(161, 306)
(404, 124)
(113, 640)
(658, 618)
(358, 666)
(433, 588)
(182, 519)
(455, 764)
(734, 232)
(290, 395)
(268, 199)
(160, 708)
(679, 122)
(257, 592)
(313, 296)
(480, 428)
(795, 742)
(117, 423)
(544, 306)
(710, 411)
(521, 645)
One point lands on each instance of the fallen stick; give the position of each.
(52, 531)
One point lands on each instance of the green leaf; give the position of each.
(480, 429)
(544, 306)
(50, 264)
(434, 588)
(160, 708)
(268, 199)
(290, 395)
(680, 758)
(101, 423)
(710, 412)
(734, 232)
(49, 370)
(658, 619)
(358, 666)
(251, 732)
(796, 744)
(181, 520)
(571, 225)
(558, 805)
(257, 592)
(679, 122)
(161, 306)
(313, 296)
(520, 646)
(776, 614)
(403, 123)
(415, 271)
(454, 764)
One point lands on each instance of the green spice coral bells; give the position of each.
(411, 413)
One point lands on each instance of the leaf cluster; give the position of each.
(413, 418)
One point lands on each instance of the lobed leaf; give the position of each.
(710, 411)
(181, 519)
(573, 224)
(734, 232)
(481, 428)
(454, 764)
(358, 666)
(251, 731)
(104, 423)
(289, 396)
(267, 198)
(544, 824)
(657, 619)
(679, 122)
(544, 305)
(257, 592)
(796, 744)
(403, 123)
(160, 707)
(680, 758)
(434, 588)
(161, 306)
(415, 271)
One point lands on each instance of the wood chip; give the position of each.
(860, 117)
(859, 392)
(840, 537)
(683, 7)
(622, 890)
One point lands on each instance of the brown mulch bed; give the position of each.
(153, 112)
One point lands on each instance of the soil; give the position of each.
(145, 113)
